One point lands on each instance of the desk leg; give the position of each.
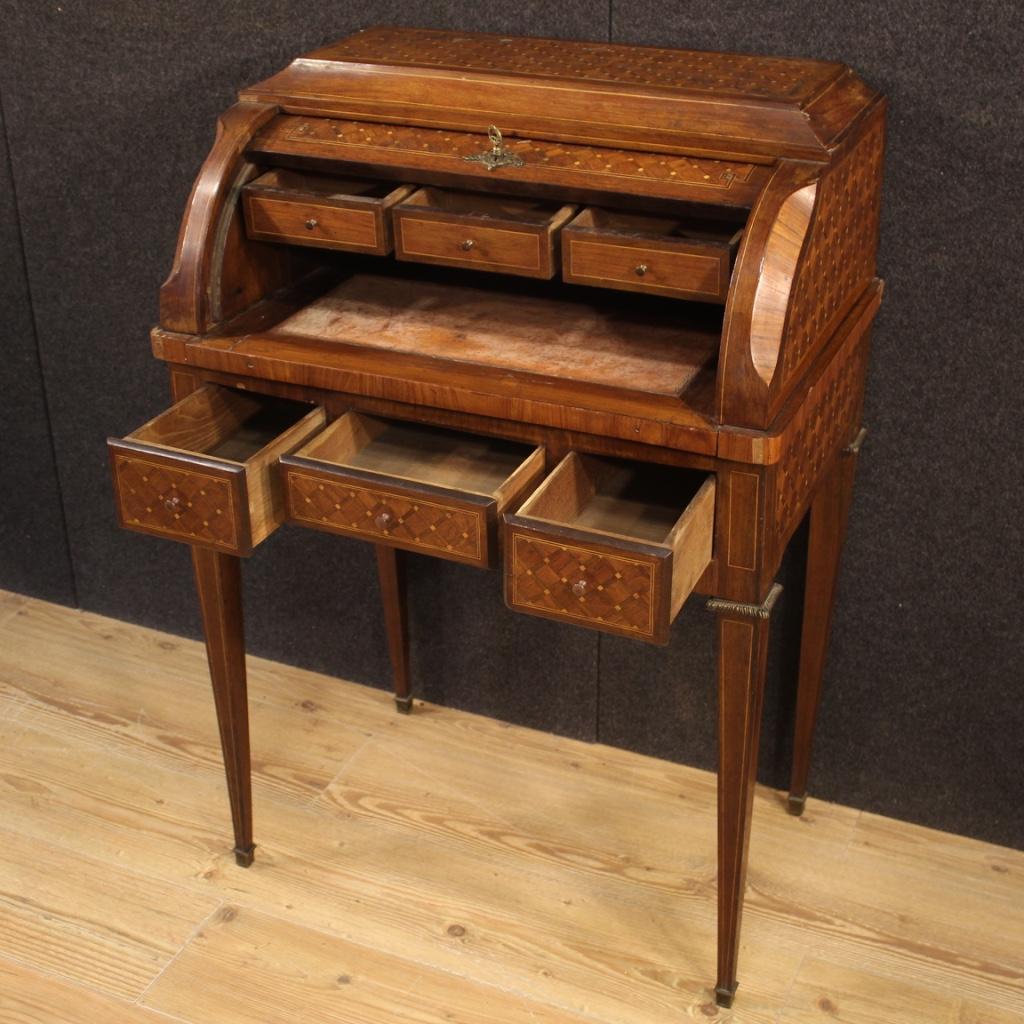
(742, 659)
(391, 569)
(829, 513)
(219, 585)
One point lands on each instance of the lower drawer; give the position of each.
(421, 488)
(203, 471)
(613, 545)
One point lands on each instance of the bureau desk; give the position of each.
(593, 316)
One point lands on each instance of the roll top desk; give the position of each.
(593, 316)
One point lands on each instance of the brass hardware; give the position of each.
(750, 611)
(173, 503)
(640, 269)
(384, 519)
(311, 223)
(579, 588)
(497, 155)
(854, 447)
(468, 244)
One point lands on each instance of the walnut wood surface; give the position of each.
(721, 105)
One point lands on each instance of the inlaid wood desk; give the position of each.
(596, 316)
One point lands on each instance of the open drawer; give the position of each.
(202, 471)
(610, 544)
(422, 488)
(470, 229)
(330, 213)
(687, 259)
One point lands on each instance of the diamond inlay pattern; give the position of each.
(411, 522)
(616, 592)
(185, 504)
(771, 78)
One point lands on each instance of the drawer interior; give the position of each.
(486, 207)
(222, 423)
(636, 501)
(302, 185)
(648, 227)
(420, 454)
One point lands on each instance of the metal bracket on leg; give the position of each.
(244, 857)
(751, 611)
(403, 704)
(725, 996)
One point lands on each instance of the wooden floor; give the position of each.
(437, 868)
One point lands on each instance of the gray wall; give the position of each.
(109, 109)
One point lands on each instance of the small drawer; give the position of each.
(466, 229)
(614, 545)
(202, 472)
(687, 259)
(425, 489)
(331, 213)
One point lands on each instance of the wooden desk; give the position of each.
(618, 352)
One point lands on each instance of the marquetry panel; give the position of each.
(618, 594)
(187, 505)
(565, 164)
(839, 257)
(770, 78)
(827, 419)
(419, 524)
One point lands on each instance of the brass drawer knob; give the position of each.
(640, 269)
(384, 519)
(468, 244)
(311, 223)
(173, 503)
(579, 588)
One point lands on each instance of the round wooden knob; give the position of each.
(311, 223)
(640, 269)
(173, 503)
(468, 244)
(384, 519)
(579, 588)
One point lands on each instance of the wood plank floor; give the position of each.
(437, 869)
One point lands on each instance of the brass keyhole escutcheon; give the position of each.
(468, 244)
(640, 269)
(579, 588)
(311, 223)
(497, 156)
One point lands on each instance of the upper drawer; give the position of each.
(202, 471)
(614, 545)
(332, 213)
(425, 489)
(469, 229)
(683, 258)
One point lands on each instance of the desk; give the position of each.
(594, 316)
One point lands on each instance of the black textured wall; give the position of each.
(110, 108)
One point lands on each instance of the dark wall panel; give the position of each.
(33, 547)
(922, 717)
(112, 108)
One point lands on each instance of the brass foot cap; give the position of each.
(244, 857)
(796, 804)
(404, 705)
(725, 996)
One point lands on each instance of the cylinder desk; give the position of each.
(593, 317)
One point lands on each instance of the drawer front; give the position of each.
(199, 506)
(648, 268)
(465, 244)
(405, 520)
(318, 224)
(584, 585)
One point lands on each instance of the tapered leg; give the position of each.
(219, 585)
(829, 513)
(391, 570)
(742, 658)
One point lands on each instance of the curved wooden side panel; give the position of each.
(192, 298)
(762, 280)
(808, 255)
